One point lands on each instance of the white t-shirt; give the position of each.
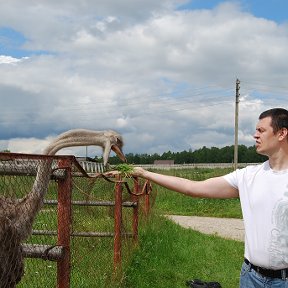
(264, 202)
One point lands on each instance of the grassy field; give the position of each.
(168, 202)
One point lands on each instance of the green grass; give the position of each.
(168, 255)
(168, 202)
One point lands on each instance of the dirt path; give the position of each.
(223, 227)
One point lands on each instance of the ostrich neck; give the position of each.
(77, 137)
(32, 203)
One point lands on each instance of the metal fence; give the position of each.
(80, 237)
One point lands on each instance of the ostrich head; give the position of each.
(114, 142)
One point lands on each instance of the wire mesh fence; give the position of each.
(80, 237)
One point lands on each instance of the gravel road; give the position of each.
(223, 227)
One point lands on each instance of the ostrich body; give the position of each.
(17, 215)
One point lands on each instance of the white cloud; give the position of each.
(10, 60)
(122, 122)
(164, 78)
(27, 145)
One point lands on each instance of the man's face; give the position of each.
(266, 141)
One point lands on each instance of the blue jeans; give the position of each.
(249, 278)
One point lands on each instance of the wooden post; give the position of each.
(135, 210)
(147, 198)
(64, 224)
(117, 225)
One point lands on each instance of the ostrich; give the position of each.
(17, 215)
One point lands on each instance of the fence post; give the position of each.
(135, 210)
(64, 223)
(147, 198)
(117, 224)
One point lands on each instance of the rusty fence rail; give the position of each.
(69, 245)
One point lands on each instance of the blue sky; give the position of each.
(12, 42)
(162, 73)
(275, 10)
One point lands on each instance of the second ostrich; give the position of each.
(17, 215)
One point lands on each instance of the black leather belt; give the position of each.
(282, 274)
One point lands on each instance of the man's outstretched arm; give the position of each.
(216, 187)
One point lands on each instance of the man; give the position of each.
(263, 192)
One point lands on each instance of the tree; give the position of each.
(202, 155)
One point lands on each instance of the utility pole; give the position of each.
(236, 124)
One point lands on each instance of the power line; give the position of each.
(133, 102)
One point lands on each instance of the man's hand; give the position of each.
(138, 172)
(113, 173)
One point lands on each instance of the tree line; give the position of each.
(202, 155)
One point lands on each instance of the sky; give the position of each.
(161, 73)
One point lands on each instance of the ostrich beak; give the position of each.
(118, 152)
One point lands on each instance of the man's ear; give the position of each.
(283, 133)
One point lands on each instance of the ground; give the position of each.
(223, 227)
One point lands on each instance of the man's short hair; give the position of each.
(279, 118)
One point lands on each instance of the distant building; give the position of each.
(164, 162)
